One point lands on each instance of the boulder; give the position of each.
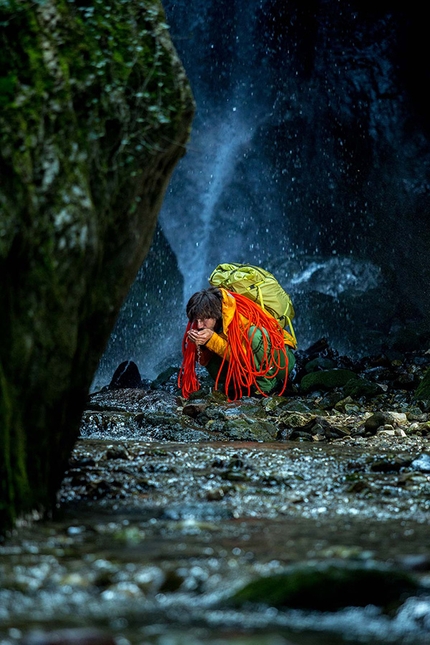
(326, 380)
(358, 387)
(95, 113)
(329, 587)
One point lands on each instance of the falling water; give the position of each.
(213, 157)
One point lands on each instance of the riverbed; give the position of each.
(153, 536)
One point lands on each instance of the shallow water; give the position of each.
(151, 537)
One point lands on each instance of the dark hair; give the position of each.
(205, 304)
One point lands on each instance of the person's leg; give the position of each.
(285, 361)
(213, 368)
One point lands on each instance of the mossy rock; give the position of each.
(326, 380)
(319, 363)
(329, 588)
(422, 392)
(95, 113)
(244, 430)
(358, 387)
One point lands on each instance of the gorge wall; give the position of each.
(310, 156)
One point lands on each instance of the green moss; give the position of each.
(326, 379)
(422, 392)
(328, 588)
(358, 387)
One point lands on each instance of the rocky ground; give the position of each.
(172, 511)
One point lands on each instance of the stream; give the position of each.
(154, 534)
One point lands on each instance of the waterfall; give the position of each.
(189, 223)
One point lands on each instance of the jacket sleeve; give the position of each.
(217, 344)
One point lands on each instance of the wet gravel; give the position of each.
(165, 511)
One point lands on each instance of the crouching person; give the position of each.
(242, 346)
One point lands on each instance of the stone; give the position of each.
(126, 375)
(328, 587)
(422, 463)
(319, 363)
(375, 421)
(243, 430)
(358, 387)
(326, 380)
(96, 116)
(193, 410)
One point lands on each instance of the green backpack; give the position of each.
(258, 285)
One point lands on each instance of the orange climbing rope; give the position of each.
(242, 372)
(187, 377)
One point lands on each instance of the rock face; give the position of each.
(152, 317)
(95, 112)
(319, 164)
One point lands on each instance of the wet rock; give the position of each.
(297, 420)
(358, 387)
(422, 429)
(297, 406)
(215, 494)
(70, 252)
(416, 414)
(406, 381)
(126, 375)
(330, 400)
(319, 363)
(422, 463)
(116, 452)
(244, 429)
(375, 421)
(319, 429)
(394, 464)
(273, 403)
(193, 410)
(358, 486)
(329, 587)
(297, 435)
(105, 423)
(69, 637)
(346, 405)
(165, 376)
(326, 380)
(378, 374)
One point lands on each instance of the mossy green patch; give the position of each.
(328, 588)
(326, 379)
(422, 392)
(358, 387)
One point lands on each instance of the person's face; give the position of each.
(205, 323)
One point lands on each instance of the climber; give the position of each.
(243, 347)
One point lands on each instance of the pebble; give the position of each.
(422, 463)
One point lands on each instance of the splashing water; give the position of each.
(213, 157)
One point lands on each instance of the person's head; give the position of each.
(204, 308)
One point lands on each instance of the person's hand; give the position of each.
(200, 336)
